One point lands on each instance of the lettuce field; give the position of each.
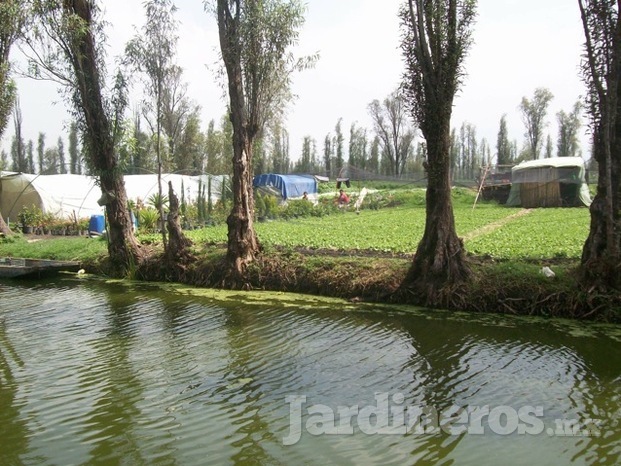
(488, 229)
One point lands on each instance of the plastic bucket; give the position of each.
(96, 225)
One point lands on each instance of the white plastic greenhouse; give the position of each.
(76, 195)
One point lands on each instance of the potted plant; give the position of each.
(83, 226)
(47, 221)
(29, 218)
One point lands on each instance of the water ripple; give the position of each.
(94, 373)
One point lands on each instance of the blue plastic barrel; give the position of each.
(96, 225)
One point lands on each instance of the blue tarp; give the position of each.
(289, 186)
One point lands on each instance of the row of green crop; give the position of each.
(542, 233)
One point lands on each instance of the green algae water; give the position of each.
(95, 372)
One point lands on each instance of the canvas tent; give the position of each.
(68, 195)
(287, 186)
(553, 182)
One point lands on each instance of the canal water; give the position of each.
(97, 372)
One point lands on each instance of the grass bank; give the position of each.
(365, 256)
(513, 286)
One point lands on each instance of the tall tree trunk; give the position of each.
(158, 151)
(243, 244)
(178, 244)
(601, 261)
(440, 260)
(601, 254)
(123, 248)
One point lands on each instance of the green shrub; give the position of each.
(147, 219)
(156, 201)
(464, 196)
(323, 188)
(219, 213)
(271, 206)
(297, 208)
(30, 216)
(259, 206)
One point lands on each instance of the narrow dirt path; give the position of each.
(495, 225)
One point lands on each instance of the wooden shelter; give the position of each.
(553, 182)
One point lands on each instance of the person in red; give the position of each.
(343, 198)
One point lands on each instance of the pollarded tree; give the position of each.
(549, 147)
(601, 255)
(569, 124)
(11, 21)
(62, 168)
(503, 146)
(255, 39)
(74, 154)
(30, 156)
(391, 124)
(327, 154)
(51, 157)
(41, 152)
(66, 41)
(212, 148)
(217, 148)
(486, 153)
(189, 146)
(533, 115)
(152, 54)
(436, 39)
(338, 146)
(304, 164)
(357, 146)
(374, 156)
(18, 149)
(276, 140)
(176, 112)
(469, 150)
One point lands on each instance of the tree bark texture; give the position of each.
(436, 40)
(178, 243)
(243, 244)
(123, 248)
(440, 260)
(601, 254)
(601, 261)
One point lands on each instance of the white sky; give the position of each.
(519, 45)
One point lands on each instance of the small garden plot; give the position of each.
(396, 230)
(468, 220)
(542, 234)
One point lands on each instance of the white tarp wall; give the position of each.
(69, 195)
(61, 195)
(553, 182)
(142, 187)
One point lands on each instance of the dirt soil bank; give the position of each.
(517, 288)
